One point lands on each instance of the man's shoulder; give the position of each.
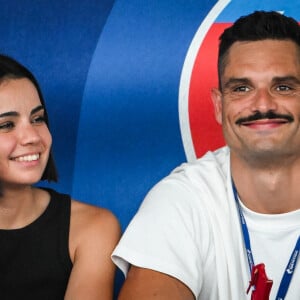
(212, 163)
(207, 175)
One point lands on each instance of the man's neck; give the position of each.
(272, 190)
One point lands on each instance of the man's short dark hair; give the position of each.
(260, 25)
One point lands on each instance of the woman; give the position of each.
(51, 246)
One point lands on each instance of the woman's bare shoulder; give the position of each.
(94, 233)
(91, 225)
(90, 213)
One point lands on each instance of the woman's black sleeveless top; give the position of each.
(34, 261)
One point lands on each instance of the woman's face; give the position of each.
(25, 140)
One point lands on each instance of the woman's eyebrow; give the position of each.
(15, 114)
(9, 114)
(36, 109)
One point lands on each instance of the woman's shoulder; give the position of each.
(94, 233)
(87, 215)
(92, 225)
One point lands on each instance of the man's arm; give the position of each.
(145, 284)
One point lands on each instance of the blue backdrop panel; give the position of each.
(129, 135)
(234, 9)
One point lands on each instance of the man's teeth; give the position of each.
(28, 157)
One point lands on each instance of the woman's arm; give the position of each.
(94, 232)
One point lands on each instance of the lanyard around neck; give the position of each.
(289, 270)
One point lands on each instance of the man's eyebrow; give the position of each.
(233, 80)
(286, 79)
(36, 109)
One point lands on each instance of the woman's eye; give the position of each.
(7, 126)
(38, 119)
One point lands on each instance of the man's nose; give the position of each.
(264, 101)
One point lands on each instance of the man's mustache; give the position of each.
(261, 116)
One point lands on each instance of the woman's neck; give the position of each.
(20, 207)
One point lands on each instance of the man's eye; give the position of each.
(241, 89)
(7, 126)
(283, 88)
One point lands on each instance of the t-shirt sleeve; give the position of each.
(164, 235)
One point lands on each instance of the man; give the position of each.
(230, 222)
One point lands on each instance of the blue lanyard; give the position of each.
(289, 270)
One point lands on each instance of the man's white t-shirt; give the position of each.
(188, 227)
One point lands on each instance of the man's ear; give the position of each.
(216, 97)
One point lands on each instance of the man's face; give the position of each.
(259, 105)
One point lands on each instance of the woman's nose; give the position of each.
(28, 134)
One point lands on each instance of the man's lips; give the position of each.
(265, 122)
(264, 119)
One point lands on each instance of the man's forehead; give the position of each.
(244, 56)
(239, 47)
